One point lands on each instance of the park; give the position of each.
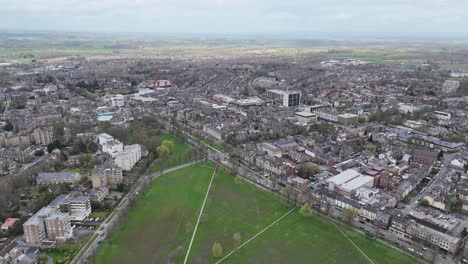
(161, 226)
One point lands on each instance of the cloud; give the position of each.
(226, 16)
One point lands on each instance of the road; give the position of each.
(385, 237)
(414, 202)
(105, 228)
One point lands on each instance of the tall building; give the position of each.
(112, 147)
(43, 136)
(128, 157)
(58, 226)
(107, 175)
(53, 222)
(34, 229)
(285, 98)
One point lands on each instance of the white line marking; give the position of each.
(370, 260)
(259, 233)
(199, 217)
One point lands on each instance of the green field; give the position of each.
(160, 227)
(181, 153)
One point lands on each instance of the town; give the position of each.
(380, 148)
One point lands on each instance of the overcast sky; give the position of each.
(238, 16)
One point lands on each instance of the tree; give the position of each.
(217, 250)
(8, 126)
(288, 192)
(58, 131)
(168, 144)
(39, 153)
(237, 237)
(305, 210)
(238, 180)
(163, 150)
(54, 145)
(349, 215)
(440, 155)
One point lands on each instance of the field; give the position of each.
(181, 154)
(159, 229)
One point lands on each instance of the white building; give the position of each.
(128, 157)
(103, 138)
(112, 147)
(286, 98)
(450, 86)
(117, 100)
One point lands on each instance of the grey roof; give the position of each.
(51, 176)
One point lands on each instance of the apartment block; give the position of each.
(128, 157)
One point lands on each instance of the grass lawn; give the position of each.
(158, 229)
(181, 154)
(233, 208)
(65, 254)
(314, 240)
(217, 146)
(99, 214)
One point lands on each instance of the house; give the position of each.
(9, 224)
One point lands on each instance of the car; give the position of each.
(419, 254)
(411, 249)
(99, 242)
(424, 248)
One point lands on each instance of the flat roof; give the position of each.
(305, 114)
(356, 183)
(344, 177)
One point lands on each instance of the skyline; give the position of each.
(432, 18)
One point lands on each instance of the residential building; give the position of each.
(9, 223)
(43, 136)
(427, 157)
(57, 177)
(107, 175)
(58, 226)
(213, 132)
(128, 157)
(112, 147)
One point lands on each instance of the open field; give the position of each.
(59, 47)
(233, 207)
(181, 153)
(160, 227)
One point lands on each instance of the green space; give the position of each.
(64, 254)
(314, 240)
(89, 243)
(160, 227)
(99, 214)
(235, 211)
(181, 153)
(218, 146)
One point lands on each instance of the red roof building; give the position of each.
(9, 223)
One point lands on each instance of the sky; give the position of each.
(433, 17)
